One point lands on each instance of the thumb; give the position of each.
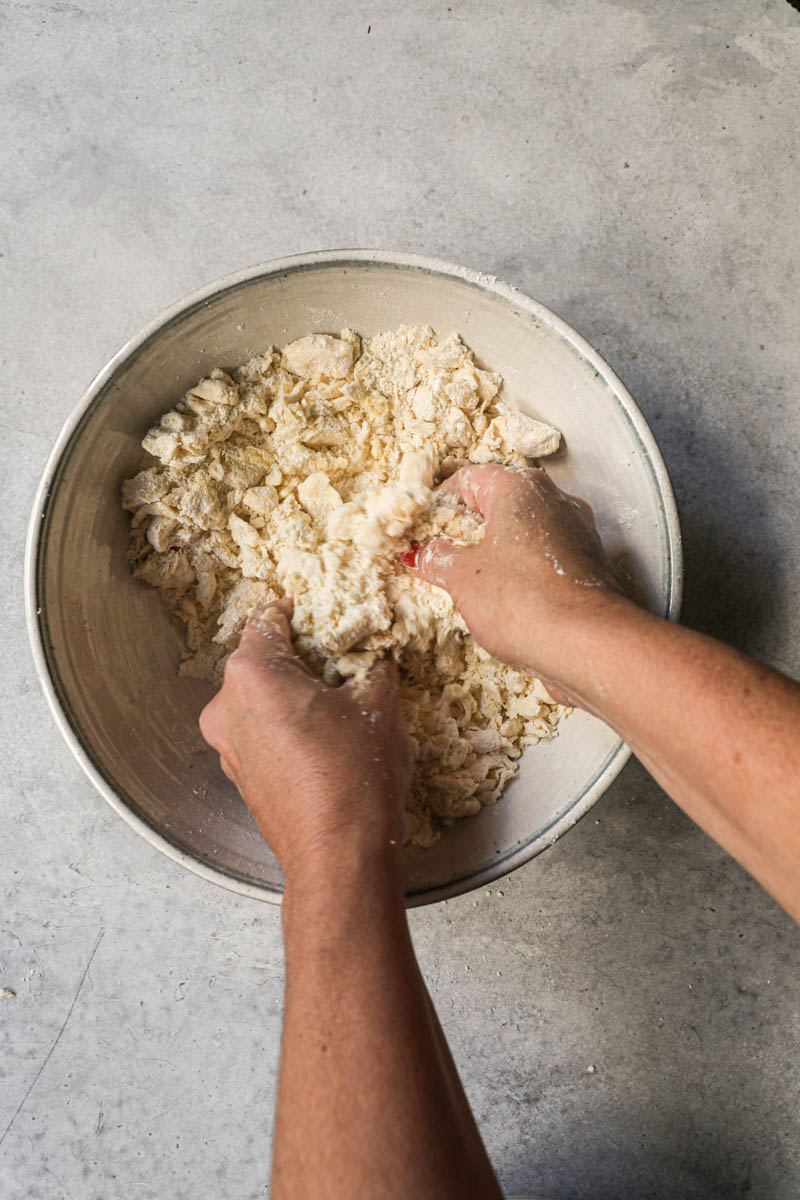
(585, 509)
(379, 682)
(438, 560)
(267, 635)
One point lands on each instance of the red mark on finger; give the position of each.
(410, 557)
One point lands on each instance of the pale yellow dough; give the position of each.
(306, 473)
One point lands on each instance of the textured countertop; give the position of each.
(626, 1009)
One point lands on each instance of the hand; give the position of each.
(325, 771)
(540, 567)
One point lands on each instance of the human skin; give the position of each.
(720, 732)
(369, 1101)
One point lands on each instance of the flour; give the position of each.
(307, 473)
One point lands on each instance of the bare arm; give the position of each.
(719, 731)
(369, 1102)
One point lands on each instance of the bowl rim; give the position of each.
(290, 264)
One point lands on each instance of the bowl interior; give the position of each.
(111, 651)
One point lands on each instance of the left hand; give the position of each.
(325, 771)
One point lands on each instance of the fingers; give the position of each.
(438, 560)
(381, 680)
(267, 635)
(476, 485)
(266, 645)
(376, 695)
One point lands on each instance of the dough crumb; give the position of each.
(308, 472)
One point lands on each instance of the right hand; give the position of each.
(540, 568)
(325, 771)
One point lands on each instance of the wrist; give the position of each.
(339, 888)
(577, 638)
(322, 825)
(344, 865)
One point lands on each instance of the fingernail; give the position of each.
(410, 557)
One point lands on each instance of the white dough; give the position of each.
(306, 473)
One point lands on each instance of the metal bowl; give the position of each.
(107, 652)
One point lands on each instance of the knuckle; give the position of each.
(238, 668)
(432, 561)
(209, 723)
(491, 473)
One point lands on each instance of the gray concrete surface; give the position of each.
(634, 166)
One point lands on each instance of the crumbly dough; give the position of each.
(306, 473)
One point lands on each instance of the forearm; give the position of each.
(368, 1103)
(720, 732)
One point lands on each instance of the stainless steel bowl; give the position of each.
(107, 652)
